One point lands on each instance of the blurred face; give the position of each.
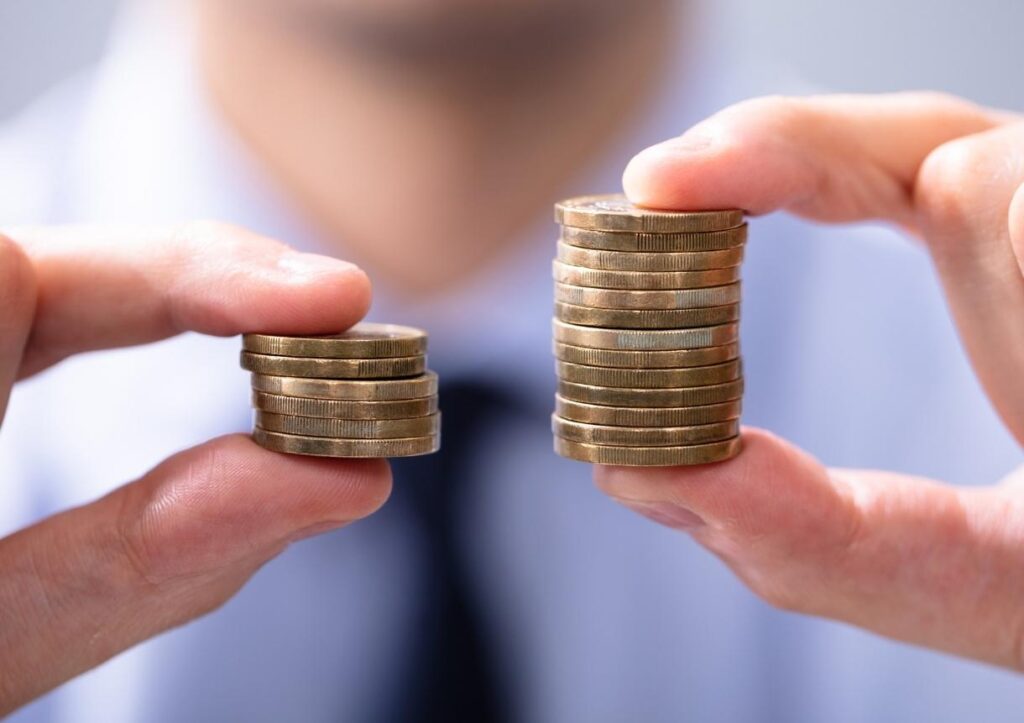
(454, 29)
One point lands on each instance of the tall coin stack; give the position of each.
(362, 393)
(646, 333)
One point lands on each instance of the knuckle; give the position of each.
(135, 546)
(953, 187)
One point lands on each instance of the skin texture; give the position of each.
(81, 586)
(906, 557)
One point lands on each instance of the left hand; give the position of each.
(902, 556)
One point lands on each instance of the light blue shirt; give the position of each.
(597, 614)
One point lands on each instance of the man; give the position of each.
(425, 143)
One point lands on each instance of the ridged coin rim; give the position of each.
(343, 408)
(376, 390)
(321, 368)
(630, 359)
(617, 436)
(668, 299)
(653, 262)
(345, 448)
(366, 340)
(696, 396)
(648, 378)
(654, 242)
(647, 318)
(349, 428)
(644, 339)
(614, 212)
(647, 416)
(642, 280)
(649, 456)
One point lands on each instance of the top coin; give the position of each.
(614, 212)
(362, 341)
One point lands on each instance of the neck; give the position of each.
(424, 171)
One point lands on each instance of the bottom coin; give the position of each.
(648, 456)
(643, 436)
(331, 447)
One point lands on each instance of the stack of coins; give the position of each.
(363, 393)
(646, 335)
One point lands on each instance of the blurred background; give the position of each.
(971, 49)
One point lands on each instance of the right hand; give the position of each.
(88, 583)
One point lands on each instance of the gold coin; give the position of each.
(677, 299)
(293, 366)
(697, 396)
(362, 341)
(649, 456)
(343, 409)
(647, 416)
(350, 428)
(654, 242)
(352, 389)
(646, 359)
(614, 212)
(662, 261)
(327, 447)
(647, 318)
(645, 339)
(639, 280)
(648, 378)
(643, 436)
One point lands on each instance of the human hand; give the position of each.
(86, 584)
(902, 556)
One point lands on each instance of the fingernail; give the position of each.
(317, 529)
(668, 514)
(312, 264)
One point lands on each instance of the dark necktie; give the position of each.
(450, 672)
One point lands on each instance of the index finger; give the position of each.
(102, 287)
(829, 158)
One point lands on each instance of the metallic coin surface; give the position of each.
(352, 389)
(646, 359)
(619, 299)
(613, 212)
(343, 409)
(645, 339)
(663, 261)
(646, 318)
(639, 280)
(293, 366)
(328, 447)
(647, 416)
(648, 378)
(349, 428)
(633, 397)
(362, 341)
(649, 456)
(654, 242)
(643, 436)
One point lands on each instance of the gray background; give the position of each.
(972, 49)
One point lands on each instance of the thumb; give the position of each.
(84, 585)
(902, 556)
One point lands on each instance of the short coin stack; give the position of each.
(362, 393)
(646, 335)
